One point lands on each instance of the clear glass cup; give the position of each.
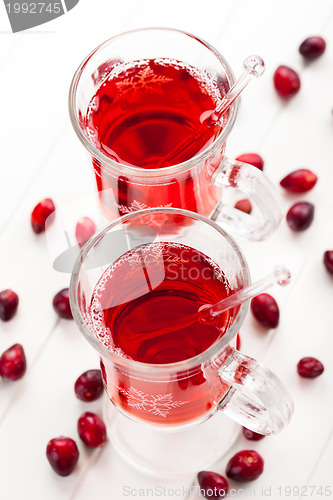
(198, 184)
(176, 402)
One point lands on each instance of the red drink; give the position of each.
(145, 308)
(150, 114)
(142, 114)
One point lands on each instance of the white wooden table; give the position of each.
(41, 157)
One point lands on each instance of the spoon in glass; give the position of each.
(254, 67)
(208, 312)
(280, 276)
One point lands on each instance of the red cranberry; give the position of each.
(251, 435)
(328, 260)
(300, 216)
(212, 485)
(8, 304)
(299, 181)
(312, 47)
(245, 465)
(62, 453)
(92, 430)
(265, 310)
(286, 82)
(310, 367)
(13, 363)
(61, 304)
(252, 159)
(40, 213)
(244, 206)
(85, 228)
(185, 378)
(89, 385)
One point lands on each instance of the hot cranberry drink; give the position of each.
(151, 114)
(145, 308)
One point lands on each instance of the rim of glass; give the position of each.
(153, 367)
(173, 169)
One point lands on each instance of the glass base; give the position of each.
(170, 453)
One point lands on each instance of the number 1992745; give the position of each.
(34, 8)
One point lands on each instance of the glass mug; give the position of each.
(199, 180)
(172, 396)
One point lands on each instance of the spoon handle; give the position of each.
(280, 275)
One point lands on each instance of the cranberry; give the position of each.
(328, 260)
(265, 310)
(312, 47)
(251, 435)
(212, 485)
(246, 465)
(300, 216)
(286, 82)
(89, 385)
(62, 453)
(92, 430)
(61, 304)
(310, 367)
(40, 213)
(85, 228)
(185, 378)
(252, 159)
(299, 181)
(244, 206)
(13, 363)
(8, 304)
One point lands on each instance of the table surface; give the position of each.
(41, 157)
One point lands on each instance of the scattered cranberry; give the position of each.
(328, 260)
(312, 47)
(265, 310)
(62, 453)
(251, 435)
(310, 367)
(244, 206)
(212, 485)
(92, 430)
(84, 230)
(245, 465)
(40, 213)
(238, 342)
(89, 385)
(299, 181)
(286, 82)
(300, 216)
(252, 159)
(61, 304)
(13, 363)
(8, 304)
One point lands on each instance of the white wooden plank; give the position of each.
(34, 88)
(274, 30)
(322, 474)
(46, 408)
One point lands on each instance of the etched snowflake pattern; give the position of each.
(144, 81)
(136, 205)
(158, 404)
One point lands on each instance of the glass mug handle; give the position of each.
(256, 398)
(261, 192)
